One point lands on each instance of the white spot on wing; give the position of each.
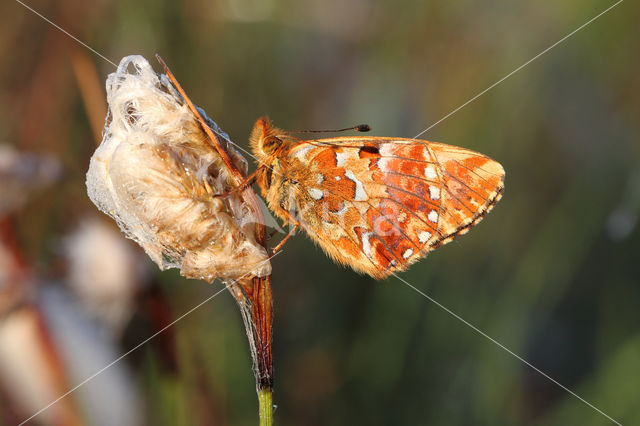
(315, 193)
(366, 243)
(430, 173)
(424, 236)
(360, 195)
(337, 178)
(320, 179)
(341, 158)
(383, 164)
(434, 192)
(433, 216)
(301, 154)
(386, 149)
(407, 254)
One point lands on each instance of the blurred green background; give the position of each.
(552, 273)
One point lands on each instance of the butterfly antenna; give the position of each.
(358, 128)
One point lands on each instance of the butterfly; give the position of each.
(376, 204)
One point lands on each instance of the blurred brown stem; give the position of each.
(90, 90)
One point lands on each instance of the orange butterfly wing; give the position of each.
(380, 204)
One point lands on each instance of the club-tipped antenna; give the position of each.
(358, 128)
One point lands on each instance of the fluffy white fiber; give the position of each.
(155, 174)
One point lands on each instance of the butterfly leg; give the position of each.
(295, 224)
(248, 181)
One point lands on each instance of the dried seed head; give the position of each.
(156, 175)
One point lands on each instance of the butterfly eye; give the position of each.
(270, 144)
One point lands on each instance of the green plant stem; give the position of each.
(265, 410)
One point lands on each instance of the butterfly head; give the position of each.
(265, 139)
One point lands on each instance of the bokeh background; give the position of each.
(552, 273)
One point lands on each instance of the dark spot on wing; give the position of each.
(369, 151)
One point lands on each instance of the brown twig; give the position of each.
(214, 142)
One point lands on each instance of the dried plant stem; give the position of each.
(213, 139)
(253, 294)
(254, 298)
